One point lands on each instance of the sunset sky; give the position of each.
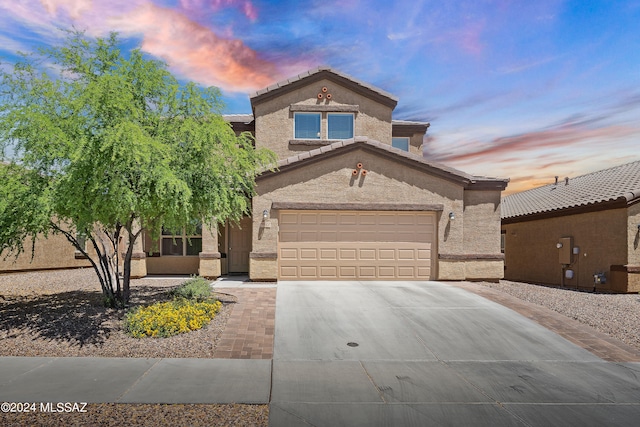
(515, 89)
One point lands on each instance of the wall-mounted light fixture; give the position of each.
(558, 245)
(265, 214)
(452, 216)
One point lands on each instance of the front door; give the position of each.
(239, 246)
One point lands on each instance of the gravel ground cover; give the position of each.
(116, 415)
(617, 315)
(60, 313)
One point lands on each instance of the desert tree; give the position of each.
(102, 144)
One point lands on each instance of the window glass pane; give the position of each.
(171, 246)
(167, 232)
(194, 246)
(340, 126)
(307, 125)
(401, 143)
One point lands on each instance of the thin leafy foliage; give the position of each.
(107, 144)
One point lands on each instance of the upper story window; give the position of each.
(339, 126)
(306, 125)
(400, 142)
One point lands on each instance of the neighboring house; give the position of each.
(353, 197)
(54, 252)
(581, 232)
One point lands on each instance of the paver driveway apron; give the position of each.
(425, 353)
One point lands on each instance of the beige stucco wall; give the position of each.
(415, 143)
(633, 247)
(173, 265)
(53, 252)
(331, 181)
(274, 120)
(481, 219)
(263, 269)
(532, 256)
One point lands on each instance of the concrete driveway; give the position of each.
(426, 353)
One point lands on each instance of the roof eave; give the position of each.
(620, 202)
(441, 171)
(317, 74)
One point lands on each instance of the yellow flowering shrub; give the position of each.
(165, 319)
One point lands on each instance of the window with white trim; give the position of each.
(181, 244)
(339, 126)
(400, 142)
(306, 125)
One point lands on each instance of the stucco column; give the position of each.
(210, 257)
(138, 257)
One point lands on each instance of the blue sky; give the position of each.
(519, 89)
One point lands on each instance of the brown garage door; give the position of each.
(365, 245)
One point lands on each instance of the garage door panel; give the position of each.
(368, 254)
(328, 236)
(307, 236)
(348, 219)
(348, 254)
(424, 254)
(406, 254)
(387, 272)
(329, 272)
(289, 236)
(288, 272)
(367, 272)
(289, 253)
(347, 272)
(308, 254)
(308, 272)
(367, 219)
(328, 254)
(406, 272)
(308, 218)
(356, 245)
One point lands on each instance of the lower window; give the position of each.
(179, 244)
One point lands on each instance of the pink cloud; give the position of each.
(196, 52)
(469, 38)
(192, 50)
(198, 6)
(549, 138)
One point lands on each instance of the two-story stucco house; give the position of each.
(352, 198)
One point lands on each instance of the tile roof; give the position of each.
(409, 123)
(320, 72)
(238, 118)
(435, 167)
(621, 183)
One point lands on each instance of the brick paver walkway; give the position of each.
(251, 326)
(598, 343)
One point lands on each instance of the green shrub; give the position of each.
(196, 288)
(165, 319)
